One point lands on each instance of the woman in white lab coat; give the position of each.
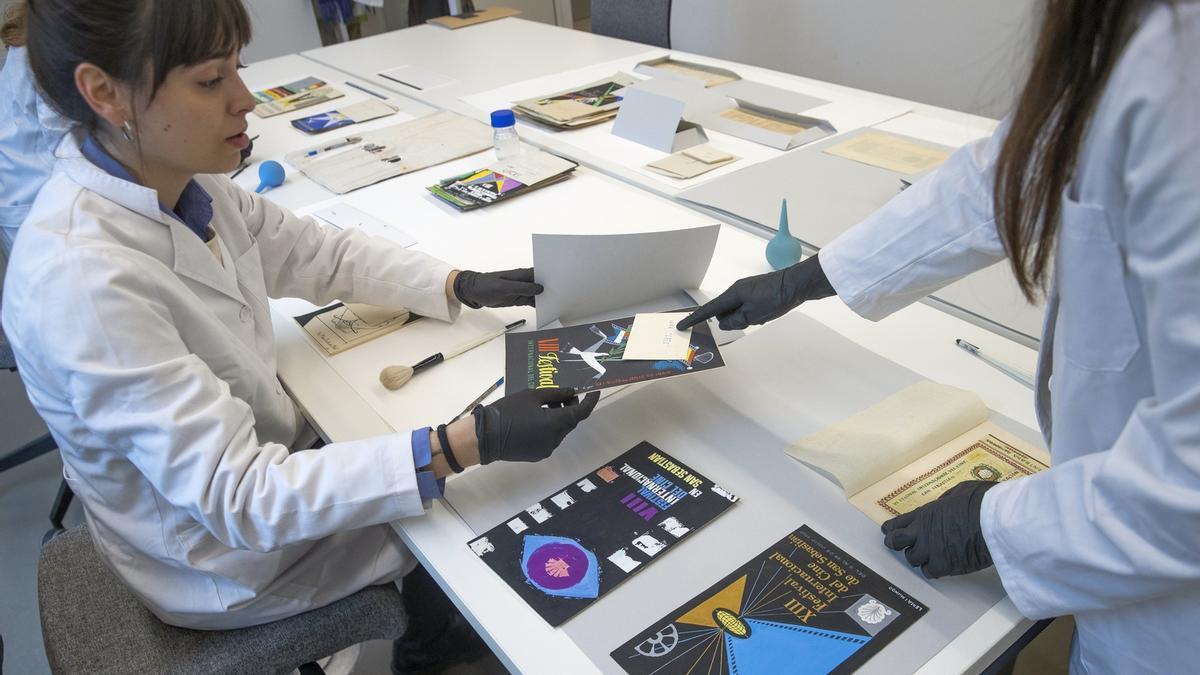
(1092, 188)
(29, 131)
(136, 304)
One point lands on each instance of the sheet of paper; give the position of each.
(681, 165)
(587, 274)
(416, 77)
(694, 70)
(743, 116)
(343, 216)
(339, 327)
(986, 452)
(532, 167)
(878, 441)
(653, 337)
(708, 154)
(365, 159)
(649, 118)
(891, 152)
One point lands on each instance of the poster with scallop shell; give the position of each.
(801, 606)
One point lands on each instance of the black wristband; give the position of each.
(446, 451)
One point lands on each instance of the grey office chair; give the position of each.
(92, 623)
(35, 448)
(647, 21)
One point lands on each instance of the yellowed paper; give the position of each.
(711, 79)
(652, 337)
(340, 327)
(708, 154)
(889, 151)
(986, 452)
(683, 165)
(873, 443)
(754, 119)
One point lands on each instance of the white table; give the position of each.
(919, 338)
(548, 58)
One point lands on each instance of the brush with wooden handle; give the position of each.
(394, 377)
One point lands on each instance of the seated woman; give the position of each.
(136, 303)
(29, 131)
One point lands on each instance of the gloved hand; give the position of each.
(527, 426)
(944, 537)
(496, 289)
(764, 298)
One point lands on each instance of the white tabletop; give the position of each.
(345, 402)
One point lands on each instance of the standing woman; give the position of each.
(29, 131)
(1092, 188)
(136, 303)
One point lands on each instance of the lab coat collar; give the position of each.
(193, 259)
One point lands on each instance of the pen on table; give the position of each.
(350, 140)
(479, 399)
(1012, 371)
(394, 377)
(366, 91)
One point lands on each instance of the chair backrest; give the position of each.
(646, 21)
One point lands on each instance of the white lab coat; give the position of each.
(1111, 533)
(29, 131)
(153, 365)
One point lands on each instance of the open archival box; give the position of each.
(908, 449)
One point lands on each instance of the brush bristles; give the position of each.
(394, 377)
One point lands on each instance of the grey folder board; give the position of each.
(828, 195)
(785, 380)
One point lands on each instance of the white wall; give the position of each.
(967, 55)
(280, 27)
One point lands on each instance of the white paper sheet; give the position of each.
(589, 274)
(416, 77)
(653, 337)
(344, 216)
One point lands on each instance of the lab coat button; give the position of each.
(245, 313)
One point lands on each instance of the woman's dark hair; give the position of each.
(12, 32)
(135, 41)
(1079, 43)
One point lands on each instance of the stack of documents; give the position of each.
(692, 162)
(577, 107)
(293, 96)
(503, 180)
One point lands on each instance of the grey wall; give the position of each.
(966, 55)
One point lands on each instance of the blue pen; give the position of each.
(486, 392)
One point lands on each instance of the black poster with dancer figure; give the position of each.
(589, 356)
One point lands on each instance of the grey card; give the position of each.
(587, 274)
(656, 121)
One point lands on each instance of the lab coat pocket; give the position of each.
(1097, 327)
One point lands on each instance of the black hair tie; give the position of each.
(446, 451)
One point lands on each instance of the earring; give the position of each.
(127, 131)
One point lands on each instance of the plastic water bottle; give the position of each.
(504, 134)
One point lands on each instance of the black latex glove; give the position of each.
(527, 426)
(944, 537)
(496, 289)
(764, 298)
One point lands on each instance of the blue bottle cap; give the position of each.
(503, 118)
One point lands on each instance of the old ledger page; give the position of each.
(911, 447)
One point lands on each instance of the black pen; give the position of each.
(366, 91)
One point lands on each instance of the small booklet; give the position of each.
(692, 162)
(293, 96)
(340, 326)
(528, 171)
(590, 104)
(336, 119)
(801, 606)
(571, 548)
(590, 356)
(908, 449)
